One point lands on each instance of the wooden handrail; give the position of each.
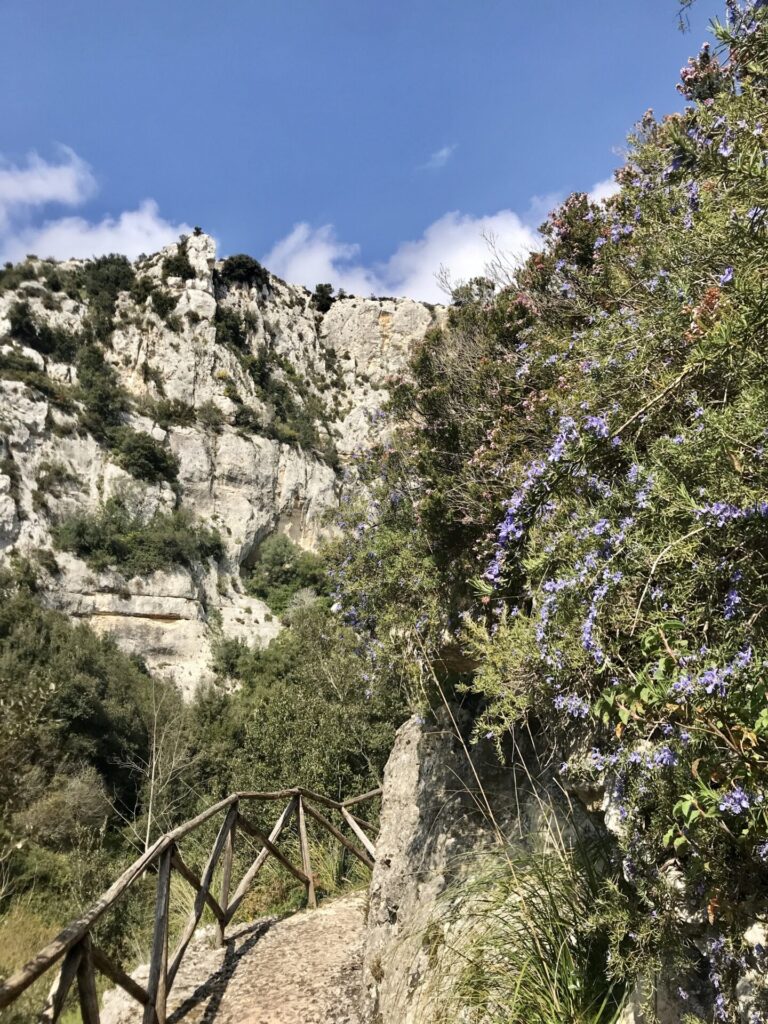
(81, 958)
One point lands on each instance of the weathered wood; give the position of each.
(350, 820)
(306, 863)
(226, 877)
(117, 975)
(62, 985)
(200, 899)
(86, 984)
(253, 870)
(71, 940)
(157, 985)
(19, 982)
(360, 799)
(313, 812)
(265, 841)
(189, 876)
(364, 824)
(279, 794)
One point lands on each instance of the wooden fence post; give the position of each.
(86, 984)
(157, 986)
(226, 874)
(305, 860)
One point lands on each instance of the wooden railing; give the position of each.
(81, 958)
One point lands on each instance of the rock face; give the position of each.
(264, 400)
(439, 813)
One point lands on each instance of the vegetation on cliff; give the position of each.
(576, 501)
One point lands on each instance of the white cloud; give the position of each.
(312, 256)
(25, 192)
(69, 182)
(135, 231)
(603, 190)
(456, 241)
(439, 158)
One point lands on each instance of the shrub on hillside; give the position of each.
(281, 570)
(243, 270)
(142, 456)
(136, 544)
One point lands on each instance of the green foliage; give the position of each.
(163, 303)
(230, 329)
(281, 570)
(322, 297)
(142, 456)
(102, 279)
(13, 275)
(580, 470)
(243, 270)
(306, 711)
(523, 942)
(14, 366)
(210, 416)
(136, 544)
(49, 341)
(178, 265)
(170, 412)
(69, 698)
(103, 397)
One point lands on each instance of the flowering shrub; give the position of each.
(581, 498)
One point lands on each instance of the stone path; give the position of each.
(305, 969)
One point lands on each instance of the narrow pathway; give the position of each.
(305, 969)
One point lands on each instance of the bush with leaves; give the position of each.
(136, 544)
(582, 456)
(281, 570)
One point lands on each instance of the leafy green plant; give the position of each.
(142, 456)
(135, 544)
(50, 341)
(243, 270)
(178, 264)
(281, 570)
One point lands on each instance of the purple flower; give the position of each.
(732, 600)
(665, 757)
(597, 425)
(736, 801)
(572, 704)
(726, 277)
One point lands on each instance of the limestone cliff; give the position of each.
(264, 395)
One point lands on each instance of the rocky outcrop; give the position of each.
(444, 804)
(209, 364)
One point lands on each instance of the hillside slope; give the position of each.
(183, 396)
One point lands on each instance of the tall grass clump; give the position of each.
(522, 940)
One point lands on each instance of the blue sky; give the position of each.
(349, 140)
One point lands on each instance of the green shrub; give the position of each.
(168, 412)
(135, 544)
(281, 570)
(163, 303)
(322, 297)
(230, 329)
(305, 712)
(142, 456)
(14, 366)
(102, 279)
(178, 264)
(100, 391)
(243, 270)
(210, 416)
(49, 341)
(520, 940)
(12, 275)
